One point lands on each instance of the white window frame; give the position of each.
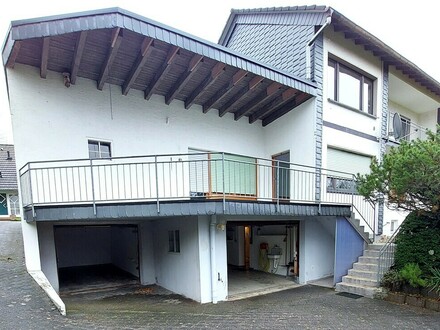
(99, 143)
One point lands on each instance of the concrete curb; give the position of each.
(43, 282)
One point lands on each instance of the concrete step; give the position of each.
(371, 253)
(365, 266)
(359, 281)
(368, 260)
(375, 246)
(366, 291)
(363, 274)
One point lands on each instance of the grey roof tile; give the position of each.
(8, 179)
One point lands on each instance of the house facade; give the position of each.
(9, 200)
(174, 159)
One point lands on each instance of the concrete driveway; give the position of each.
(23, 305)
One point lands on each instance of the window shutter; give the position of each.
(345, 161)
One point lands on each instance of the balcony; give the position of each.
(217, 181)
(409, 130)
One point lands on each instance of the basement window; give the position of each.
(350, 87)
(174, 241)
(99, 149)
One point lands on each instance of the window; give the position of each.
(406, 128)
(174, 241)
(393, 225)
(14, 203)
(349, 87)
(99, 149)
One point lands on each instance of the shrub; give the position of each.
(392, 280)
(412, 274)
(418, 241)
(434, 281)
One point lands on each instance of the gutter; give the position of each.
(309, 45)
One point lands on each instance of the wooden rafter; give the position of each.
(282, 110)
(225, 90)
(286, 96)
(116, 41)
(144, 52)
(14, 54)
(79, 49)
(194, 64)
(210, 79)
(239, 96)
(166, 66)
(271, 90)
(44, 57)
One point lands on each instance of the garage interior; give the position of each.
(96, 257)
(263, 256)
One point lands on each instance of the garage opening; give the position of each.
(262, 257)
(93, 257)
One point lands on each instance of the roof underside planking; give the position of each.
(118, 47)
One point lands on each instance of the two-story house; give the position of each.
(148, 150)
(9, 201)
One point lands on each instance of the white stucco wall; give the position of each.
(147, 270)
(124, 248)
(178, 272)
(48, 253)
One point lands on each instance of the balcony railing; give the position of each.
(195, 176)
(410, 130)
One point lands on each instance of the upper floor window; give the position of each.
(350, 87)
(99, 149)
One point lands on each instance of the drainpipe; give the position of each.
(212, 229)
(309, 45)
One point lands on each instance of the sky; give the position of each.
(410, 28)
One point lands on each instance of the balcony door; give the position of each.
(281, 175)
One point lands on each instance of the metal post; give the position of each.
(278, 185)
(93, 187)
(157, 185)
(223, 179)
(30, 191)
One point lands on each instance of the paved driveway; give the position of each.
(23, 305)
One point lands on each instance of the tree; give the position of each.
(408, 177)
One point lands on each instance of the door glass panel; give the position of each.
(282, 176)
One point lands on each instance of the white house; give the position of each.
(9, 201)
(174, 159)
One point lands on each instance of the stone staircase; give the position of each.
(362, 278)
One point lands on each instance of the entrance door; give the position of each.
(281, 175)
(3, 205)
(247, 247)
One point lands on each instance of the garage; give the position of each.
(91, 257)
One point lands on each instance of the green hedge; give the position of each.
(418, 241)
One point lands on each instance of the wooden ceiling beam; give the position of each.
(14, 54)
(239, 96)
(286, 96)
(224, 90)
(144, 52)
(194, 65)
(282, 110)
(271, 90)
(44, 57)
(79, 49)
(210, 79)
(162, 72)
(116, 41)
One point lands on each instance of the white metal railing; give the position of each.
(410, 130)
(194, 176)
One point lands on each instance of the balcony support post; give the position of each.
(30, 190)
(157, 185)
(223, 182)
(93, 186)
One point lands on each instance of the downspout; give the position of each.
(212, 229)
(309, 45)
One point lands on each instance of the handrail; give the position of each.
(386, 255)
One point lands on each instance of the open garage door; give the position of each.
(96, 256)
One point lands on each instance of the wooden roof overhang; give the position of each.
(121, 48)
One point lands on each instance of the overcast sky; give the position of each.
(411, 28)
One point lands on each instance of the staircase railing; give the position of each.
(386, 255)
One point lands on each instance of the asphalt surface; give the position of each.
(23, 305)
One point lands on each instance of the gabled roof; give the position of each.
(8, 171)
(316, 16)
(118, 47)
